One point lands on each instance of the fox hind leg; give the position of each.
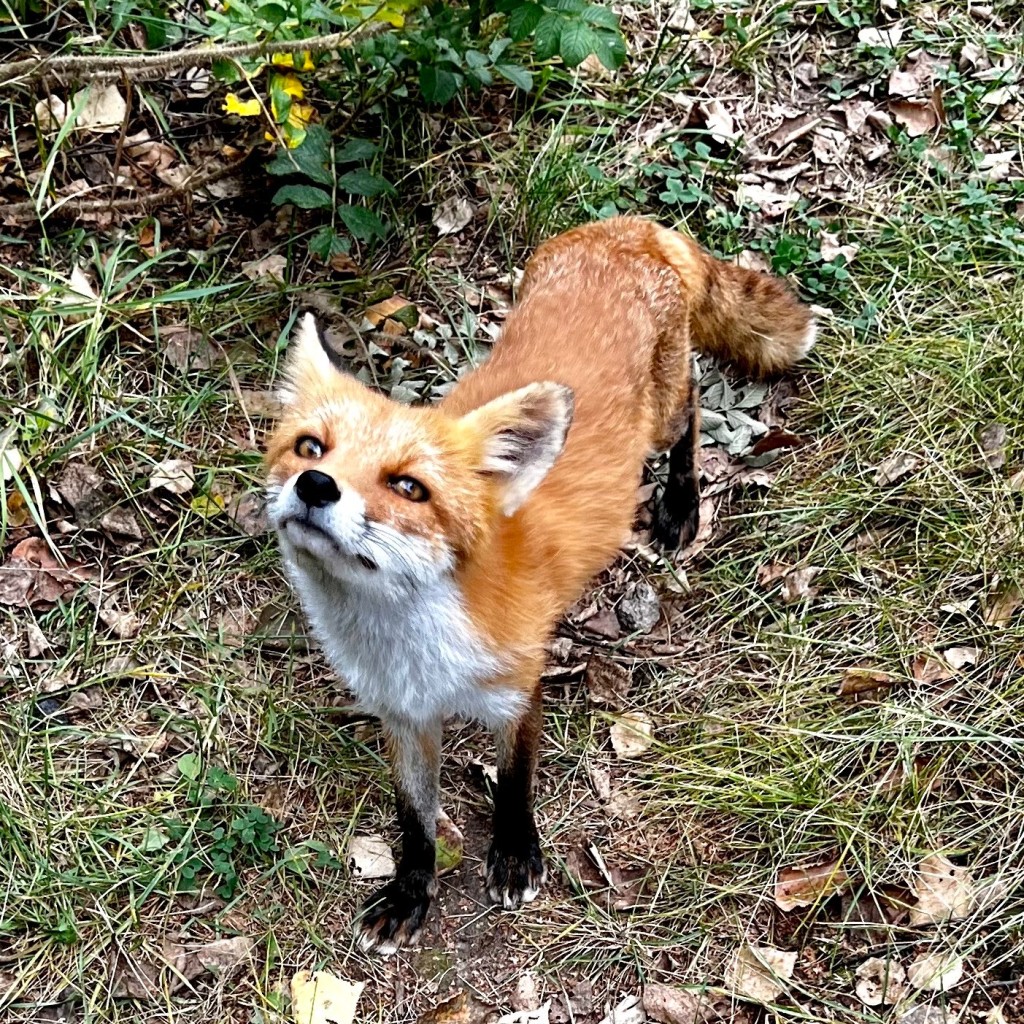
(677, 510)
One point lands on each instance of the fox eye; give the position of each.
(308, 447)
(408, 487)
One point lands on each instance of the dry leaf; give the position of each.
(880, 981)
(631, 734)
(104, 111)
(796, 586)
(627, 1011)
(270, 268)
(397, 308)
(321, 998)
(51, 112)
(960, 657)
(453, 1010)
(607, 681)
(856, 113)
(32, 577)
(370, 857)
(85, 490)
(766, 199)
(759, 973)
(1002, 605)
(719, 121)
(895, 468)
(605, 623)
(248, 511)
(862, 680)
(187, 348)
(452, 215)
(175, 475)
(926, 669)
(881, 36)
(935, 972)
(120, 522)
(830, 248)
(943, 891)
(539, 1016)
(919, 117)
(805, 886)
(669, 1005)
(135, 978)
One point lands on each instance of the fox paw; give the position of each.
(676, 521)
(393, 916)
(515, 876)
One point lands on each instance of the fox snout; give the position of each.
(316, 489)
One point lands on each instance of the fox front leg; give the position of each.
(392, 916)
(515, 864)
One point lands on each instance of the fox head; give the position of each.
(390, 496)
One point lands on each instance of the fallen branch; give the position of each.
(31, 68)
(76, 208)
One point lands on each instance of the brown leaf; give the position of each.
(892, 470)
(759, 973)
(453, 1010)
(926, 669)
(269, 268)
(805, 886)
(605, 623)
(85, 490)
(992, 441)
(667, 1004)
(452, 215)
(120, 522)
(797, 585)
(1002, 605)
(863, 680)
(32, 577)
(608, 682)
(135, 977)
(248, 512)
(943, 890)
(632, 734)
(880, 981)
(919, 117)
(187, 348)
(396, 308)
(261, 404)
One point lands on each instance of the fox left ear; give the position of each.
(306, 361)
(524, 433)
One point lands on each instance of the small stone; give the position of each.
(640, 609)
(992, 439)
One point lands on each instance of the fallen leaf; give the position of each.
(881, 36)
(992, 441)
(1002, 605)
(453, 1010)
(830, 248)
(926, 669)
(629, 1010)
(632, 734)
(895, 468)
(805, 886)
(880, 981)
(370, 857)
(916, 78)
(248, 511)
(539, 1016)
(85, 490)
(187, 348)
(452, 215)
(120, 522)
(719, 121)
(261, 404)
(32, 577)
(174, 475)
(960, 657)
(527, 992)
(856, 113)
(51, 112)
(667, 1004)
(270, 268)
(135, 977)
(450, 844)
(104, 111)
(935, 972)
(919, 117)
(928, 1014)
(862, 680)
(796, 586)
(607, 681)
(943, 890)
(759, 973)
(766, 199)
(397, 308)
(996, 166)
(321, 998)
(605, 623)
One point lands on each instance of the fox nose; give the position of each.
(316, 489)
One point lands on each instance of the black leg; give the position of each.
(393, 916)
(515, 865)
(677, 511)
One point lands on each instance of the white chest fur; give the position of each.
(413, 659)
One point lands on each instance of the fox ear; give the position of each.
(306, 361)
(524, 432)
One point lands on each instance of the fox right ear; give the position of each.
(306, 362)
(524, 433)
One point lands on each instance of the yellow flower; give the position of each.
(244, 108)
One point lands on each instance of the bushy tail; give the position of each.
(737, 315)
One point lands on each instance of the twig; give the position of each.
(71, 208)
(198, 56)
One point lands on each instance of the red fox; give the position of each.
(435, 547)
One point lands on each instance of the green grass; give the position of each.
(201, 778)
